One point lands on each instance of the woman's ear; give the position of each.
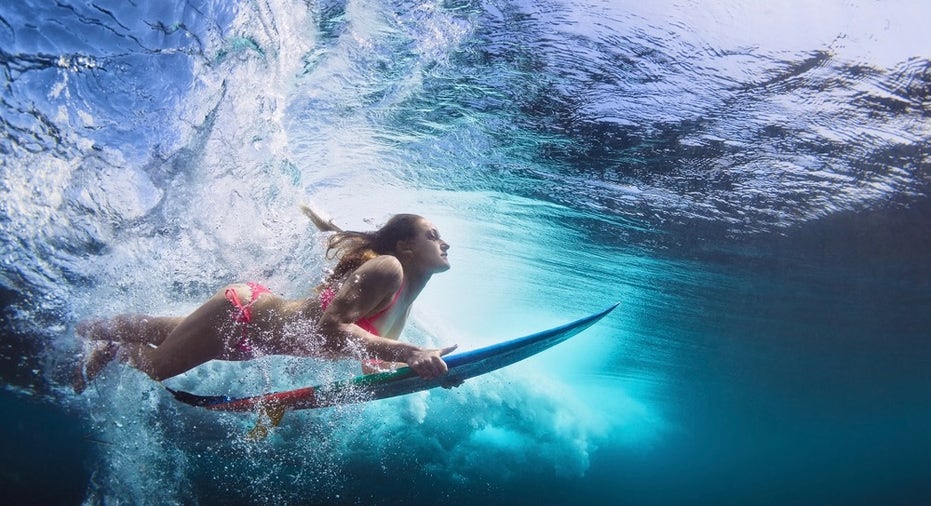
(403, 248)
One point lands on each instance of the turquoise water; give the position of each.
(752, 183)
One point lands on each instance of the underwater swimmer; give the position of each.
(359, 311)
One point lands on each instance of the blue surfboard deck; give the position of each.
(462, 366)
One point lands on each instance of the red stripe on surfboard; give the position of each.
(274, 398)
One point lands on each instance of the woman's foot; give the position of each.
(90, 368)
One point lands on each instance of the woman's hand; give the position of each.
(427, 363)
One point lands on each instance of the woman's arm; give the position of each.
(369, 290)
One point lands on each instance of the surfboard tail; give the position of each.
(201, 401)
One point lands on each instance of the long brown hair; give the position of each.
(355, 248)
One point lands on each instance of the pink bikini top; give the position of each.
(366, 323)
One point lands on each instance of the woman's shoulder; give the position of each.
(385, 263)
(383, 269)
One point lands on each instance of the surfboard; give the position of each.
(462, 366)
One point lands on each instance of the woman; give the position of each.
(358, 312)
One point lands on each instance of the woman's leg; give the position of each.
(182, 343)
(130, 328)
(140, 329)
(198, 338)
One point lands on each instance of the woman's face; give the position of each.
(427, 249)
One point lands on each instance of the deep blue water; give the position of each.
(751, 182)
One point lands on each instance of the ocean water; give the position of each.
(750, 181)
